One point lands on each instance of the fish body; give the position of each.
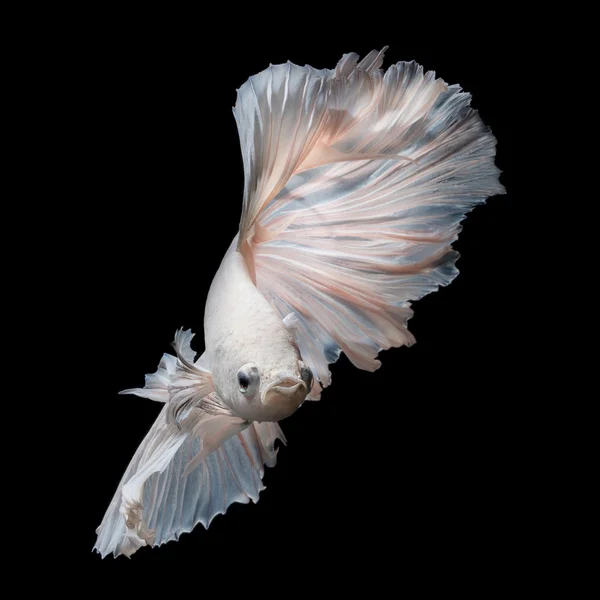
(356, 180)
(243, 332)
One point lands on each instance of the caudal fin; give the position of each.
(357, 180)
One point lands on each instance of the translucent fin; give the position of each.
(179, 381)
(278, 113)
(156, 503)
(350, 221)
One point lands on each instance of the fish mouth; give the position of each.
(287, 389)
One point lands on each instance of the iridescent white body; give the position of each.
(239, 333)
(356, 181)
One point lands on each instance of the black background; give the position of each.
(418, 456)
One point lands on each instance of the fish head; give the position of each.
(271, 394)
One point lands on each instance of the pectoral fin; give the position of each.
(179, 381)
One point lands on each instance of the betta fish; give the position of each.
(356, 180)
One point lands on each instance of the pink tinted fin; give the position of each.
(351, 221)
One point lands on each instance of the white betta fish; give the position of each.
(356, 181)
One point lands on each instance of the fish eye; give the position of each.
(307, 376)
(248, 379)
(244, 381)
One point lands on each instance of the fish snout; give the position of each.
(289, 385)
(285, 395)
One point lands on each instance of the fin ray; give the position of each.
(349, 229)
(156, 502)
